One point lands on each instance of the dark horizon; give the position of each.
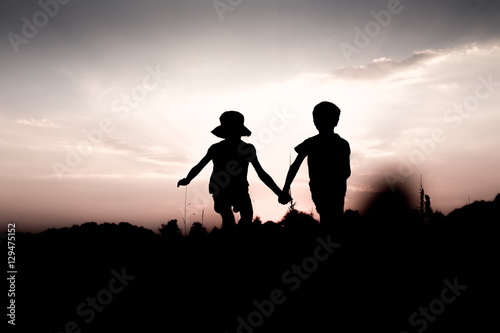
(210, 225)
(102, 277)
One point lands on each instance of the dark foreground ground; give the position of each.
(386, 272)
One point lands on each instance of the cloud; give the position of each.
(150, 153)
(383, 67)
(37, 122)
(446, 60)
(121, 146)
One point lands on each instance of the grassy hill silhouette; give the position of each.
(370, 272)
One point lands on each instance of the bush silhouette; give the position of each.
(211, 279)
(170, 231)
(197, 230)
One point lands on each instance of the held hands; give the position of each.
(183, 182)
(284, 198)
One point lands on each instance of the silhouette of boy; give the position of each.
(328, 163)
(228, 181)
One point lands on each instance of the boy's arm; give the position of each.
(347, 166)
(195, 170)
(292, 172)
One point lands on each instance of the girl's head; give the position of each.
(231, 126)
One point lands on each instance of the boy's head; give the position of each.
(326, 116)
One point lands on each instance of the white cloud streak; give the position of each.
(37, 122)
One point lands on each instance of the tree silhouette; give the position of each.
(257, 221)
(428, 209)
(297, 220)
(197, 230)
(170, 230)
(425, 209)
(421, 193)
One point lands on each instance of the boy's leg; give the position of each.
(330, 213)
(331, 218)
(337, 208)
(325, 217)
(329, 206)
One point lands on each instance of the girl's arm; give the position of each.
(266, 179)
(195, 170)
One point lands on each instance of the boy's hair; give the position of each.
(326, 114)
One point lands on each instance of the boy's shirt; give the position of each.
(327, 160)
(230, 160)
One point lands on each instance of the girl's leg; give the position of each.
(245, 208)
(223, 207)
(227, 218)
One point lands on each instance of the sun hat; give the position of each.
(231, 123)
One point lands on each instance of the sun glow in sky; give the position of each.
(105, 105)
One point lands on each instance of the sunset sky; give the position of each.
(105, 105)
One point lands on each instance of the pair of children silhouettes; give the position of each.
(327, 159)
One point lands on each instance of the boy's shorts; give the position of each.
(328, 201)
